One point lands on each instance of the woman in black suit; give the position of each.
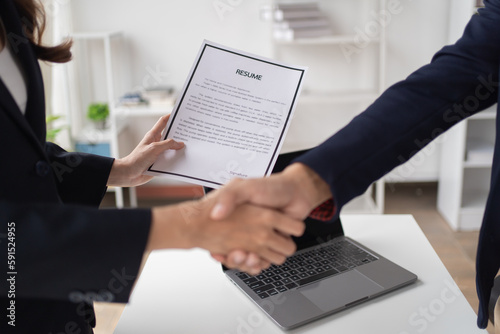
(58, 251)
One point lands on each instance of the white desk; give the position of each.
(170, 297)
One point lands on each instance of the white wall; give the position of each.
(164, 37)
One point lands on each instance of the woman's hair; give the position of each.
(33, 21)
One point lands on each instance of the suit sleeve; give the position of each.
(461, 80)
(81, 178)
(63, 252)
(72, 250)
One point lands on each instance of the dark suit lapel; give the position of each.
(33, 123)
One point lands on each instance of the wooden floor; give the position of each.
(457, 250)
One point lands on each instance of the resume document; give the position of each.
(232, 114)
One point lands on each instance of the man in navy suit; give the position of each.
(461, 80)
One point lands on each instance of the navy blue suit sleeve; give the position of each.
(66, 252)
(80, 178)
(461, 80)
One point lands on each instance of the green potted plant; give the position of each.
(98, 113)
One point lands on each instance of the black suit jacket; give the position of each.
(461, 80)
(64, 252)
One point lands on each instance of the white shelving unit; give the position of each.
(464, 179)
(467, 152)
(336, 86)
(91, 50)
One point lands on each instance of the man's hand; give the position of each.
(128, 171)
(295, 192)
(252, 229)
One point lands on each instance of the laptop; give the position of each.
(330, 272)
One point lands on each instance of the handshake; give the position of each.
(247, 224)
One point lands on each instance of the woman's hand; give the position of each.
(129, 171)
(263, 232)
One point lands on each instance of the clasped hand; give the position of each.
(250, 219)
(294, 192)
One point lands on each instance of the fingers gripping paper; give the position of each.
(232, 113)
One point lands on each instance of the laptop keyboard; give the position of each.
(307, 267)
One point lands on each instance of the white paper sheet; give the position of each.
(233, 114)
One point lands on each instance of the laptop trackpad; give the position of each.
(337, 291)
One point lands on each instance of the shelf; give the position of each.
(338, 97)
(142, 111)
(96, 35)
(469, 219)
(361, 204)
(473, 210)
(470, 215)
(122, 115)
(94, 135)
(487, 114)
(474, 199)
(477, 164)
(333, 40)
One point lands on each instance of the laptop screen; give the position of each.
(316, 231)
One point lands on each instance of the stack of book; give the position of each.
(159, 97)
(132, 100)
(297, 20)
(153, 97)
